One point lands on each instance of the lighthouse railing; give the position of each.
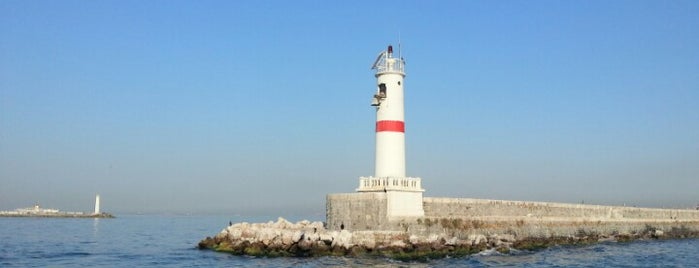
(390, 65)
(378, 184)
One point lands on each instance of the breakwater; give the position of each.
(366, 211)
(59, 214)
(450, 227)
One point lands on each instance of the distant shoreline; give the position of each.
(56, 215)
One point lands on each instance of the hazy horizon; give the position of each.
(263, 108)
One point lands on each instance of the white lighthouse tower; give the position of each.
(97, 204)
(404, 194)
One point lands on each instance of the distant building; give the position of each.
(36, 209)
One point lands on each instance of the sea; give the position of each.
(170, 241)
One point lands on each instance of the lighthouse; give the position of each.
(403, 194)
(97, 204)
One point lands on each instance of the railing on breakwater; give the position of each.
(379, 184)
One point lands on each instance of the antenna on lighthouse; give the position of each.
(400, 54)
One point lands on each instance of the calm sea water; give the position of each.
(169, 241)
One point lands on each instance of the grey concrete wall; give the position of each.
(473, 208)
(356, 211)
(463, 228)
(367, 211)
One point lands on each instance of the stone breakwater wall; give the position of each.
(473, 208)
(427, 238)
(357, 225)
(357, 211)
(363, 211)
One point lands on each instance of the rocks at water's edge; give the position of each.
(304, 238)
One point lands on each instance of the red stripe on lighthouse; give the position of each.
(390, 125)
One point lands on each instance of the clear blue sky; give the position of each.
(263, 106)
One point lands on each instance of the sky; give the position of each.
(263, 107)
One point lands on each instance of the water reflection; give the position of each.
(95, 227)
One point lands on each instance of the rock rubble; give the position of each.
(305, 238)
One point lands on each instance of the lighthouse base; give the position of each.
(403, 194)
(372, 210)
(380, 202)
(404, 204)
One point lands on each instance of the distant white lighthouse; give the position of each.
(97, 204)
(404, 194)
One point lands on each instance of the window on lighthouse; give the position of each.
(382, 90)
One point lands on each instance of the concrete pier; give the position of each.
(363, 211)
(357, 225)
